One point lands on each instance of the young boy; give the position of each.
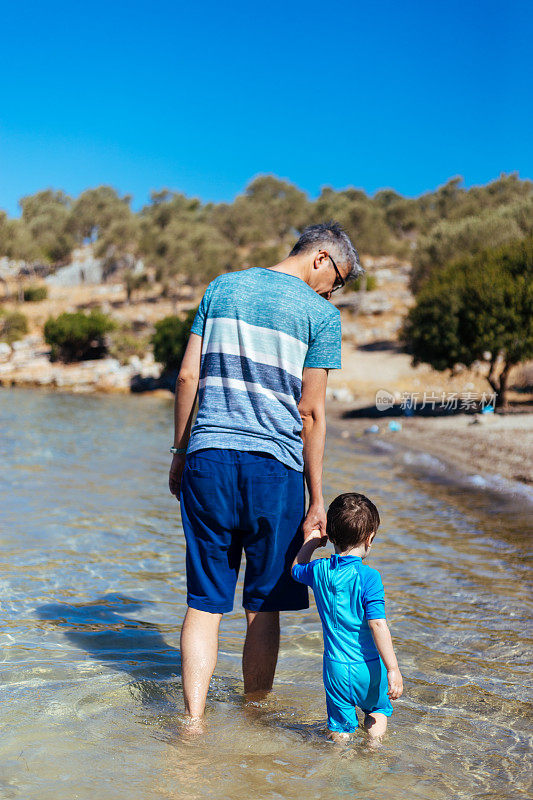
(360, 666)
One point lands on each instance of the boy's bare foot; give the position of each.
(338, 736)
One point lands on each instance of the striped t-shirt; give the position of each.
(260, 328)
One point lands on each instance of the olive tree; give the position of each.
(483, 303)
(455, 238)
(46, 216)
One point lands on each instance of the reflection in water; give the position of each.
(92, 596)
(122, 643)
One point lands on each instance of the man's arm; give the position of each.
(312, 408)
(185, 398)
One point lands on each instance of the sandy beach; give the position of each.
(489, 444)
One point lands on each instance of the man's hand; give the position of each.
(395, 681)
(176, 471)
(315, 520)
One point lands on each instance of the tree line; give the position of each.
(179, 237)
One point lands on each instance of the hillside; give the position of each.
(372, 358)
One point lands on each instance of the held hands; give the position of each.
(395, 680)
(312, 541)
(315, 521)
(317, 538)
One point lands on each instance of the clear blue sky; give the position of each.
(202, 97)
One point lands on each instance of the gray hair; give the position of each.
(330, 235)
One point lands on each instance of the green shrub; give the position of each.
(170, 340)
(124, 343)
(371, 283)
(35, 293)
(73, 337)
(13, 326)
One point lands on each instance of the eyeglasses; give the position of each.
(342, 283)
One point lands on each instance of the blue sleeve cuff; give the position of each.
(325, 350)
(375, 609)
(198, 326)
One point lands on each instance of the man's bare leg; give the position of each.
(199, 650)
(260, 654)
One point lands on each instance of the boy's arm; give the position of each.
(383, 641)
(314, 540)
(301, 570)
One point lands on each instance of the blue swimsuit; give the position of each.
(348, 593)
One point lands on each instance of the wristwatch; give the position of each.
(180, 451)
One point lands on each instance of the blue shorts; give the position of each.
(233, 500)
(349, 685)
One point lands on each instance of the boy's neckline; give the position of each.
(346, 556)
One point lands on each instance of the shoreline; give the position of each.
(495, 446)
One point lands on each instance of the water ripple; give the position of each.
(92, 595)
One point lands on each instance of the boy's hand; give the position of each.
(395, 680)
(319, 538)
(315, 519)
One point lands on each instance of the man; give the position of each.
(260, 349)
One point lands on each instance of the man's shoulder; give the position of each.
(248, 274)
(224, 278)
(284, 304)
(325, 309)
(331, 312)
(318, 311)
(222, 288)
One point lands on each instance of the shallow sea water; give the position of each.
(92, 590)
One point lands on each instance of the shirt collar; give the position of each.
(343, 558)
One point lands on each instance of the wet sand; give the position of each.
(496, 444)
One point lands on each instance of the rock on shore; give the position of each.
(27, 363)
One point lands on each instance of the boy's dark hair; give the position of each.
(351, 519)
